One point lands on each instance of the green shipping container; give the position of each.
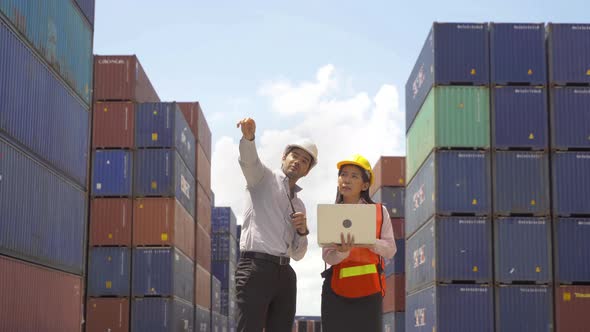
(451, 117)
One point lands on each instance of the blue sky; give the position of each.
(333, 71)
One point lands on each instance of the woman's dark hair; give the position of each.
(364, 194)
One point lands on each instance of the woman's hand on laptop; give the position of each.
(345, 245)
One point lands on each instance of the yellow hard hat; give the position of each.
(360, 161)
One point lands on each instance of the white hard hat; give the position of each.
(307, 146)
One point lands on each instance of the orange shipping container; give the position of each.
(163, 222)
(202, 287)
(110, 222)
(203, 245)
(113, 125)
(389, 171)
(121, 77)
(107, 314)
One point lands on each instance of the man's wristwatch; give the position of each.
(303, 234)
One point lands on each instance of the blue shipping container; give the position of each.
(570, 118)
(571, 183)
(42, 217)
(524, 308)
(215, 294)
(522, 250)
(393, 198)
(572, 250)
(39, 112)
(111, 173)
(519, 117)
(225, 272)
(451, 308)
(161, 172)
(517, 53)
(59, 32)
(450, 249)
(161, 315)
(162, 125)
(223, 247)
(397, 263)
(109, 271)
(452, 53)
(521, 183)
(202, 319)
(87, 8)
(223, 220)
(162, 272)
(394, 322)
(449, 182)
(569, 53)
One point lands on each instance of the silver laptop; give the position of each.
(357, 219)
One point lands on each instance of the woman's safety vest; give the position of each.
(361, 273)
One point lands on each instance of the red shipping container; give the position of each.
(110, 222)
(113, 125)
(163, 222)
(122, 78)
(35, 298)
(107, 314)
(389, 171)
(203, 245)
(203, 209)
(395, 293)
(310, 326)
(202, 287)
(398, 228)
(203, 170)
(572, 308)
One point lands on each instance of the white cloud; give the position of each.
(340, 126)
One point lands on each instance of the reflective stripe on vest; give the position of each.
(354, 271)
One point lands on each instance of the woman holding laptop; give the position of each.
(354, 285)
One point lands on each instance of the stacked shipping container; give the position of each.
(389, 189)
(45, 91)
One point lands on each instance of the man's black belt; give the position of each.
(280, 260)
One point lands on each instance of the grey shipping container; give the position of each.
(42, 216)
(202, 319)
(572, 250)
(449, 182)
(522, 248)
(521, 183)
(450, 249)
(109, 271)
(393, 198)
(161, 315)
(524, 308)
(393, 322)
(451, 308)
(453, 53)
(571, 183)
(40, 112)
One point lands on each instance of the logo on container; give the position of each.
(420, 316)
(474, 290)
(419, 257)
(533, 90)
(531, 222)
(418, 198)
(185, 187)
(472, 221)
(533, 290)
(526, 27)
(471, 155)
(586, 91)
(418, 81)
(581, 27)
(111, 62)
(583, 156)
(470, 26)
(528, 156)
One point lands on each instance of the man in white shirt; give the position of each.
(274, 231)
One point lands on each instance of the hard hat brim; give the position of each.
(348, 162)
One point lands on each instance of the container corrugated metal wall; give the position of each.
(203, 170)
(203, 287)
(462, 182)
(397, 263)
(43, 216)
(394, 322)
(112, 173)
(522, 250)
(40, 112)
(452, 53)
(572, 305)
(521, 183)
(113, 125)
(570, 117)
(451, 117)
(38, 299)
(572, 250)
(517, 53)
(225, 272)
(393, 198)
(162, 272)
(228, 302)
(203, 245)
(202, 319)
(519, 117)
(110, 221)
(450, 249)
(223, 220)
(161, 172)
(107, 314)
(203, 208)
(395, 293)
(60, 33)
(524, 308)
(162, 125)
(163, 222)
(109, 271)
(216, 322)
(122, 78)
(215, 294)
(161, 314)
(204, 133)
(569, 53)
(87, 8)
(451, 308)
(223, 247)
(571, 183)
(389, 171)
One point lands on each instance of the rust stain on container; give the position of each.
(107, 314)
(110, 221)
(113, 125)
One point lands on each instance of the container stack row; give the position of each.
(495, 181)
(307, 324)
(45, 94)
